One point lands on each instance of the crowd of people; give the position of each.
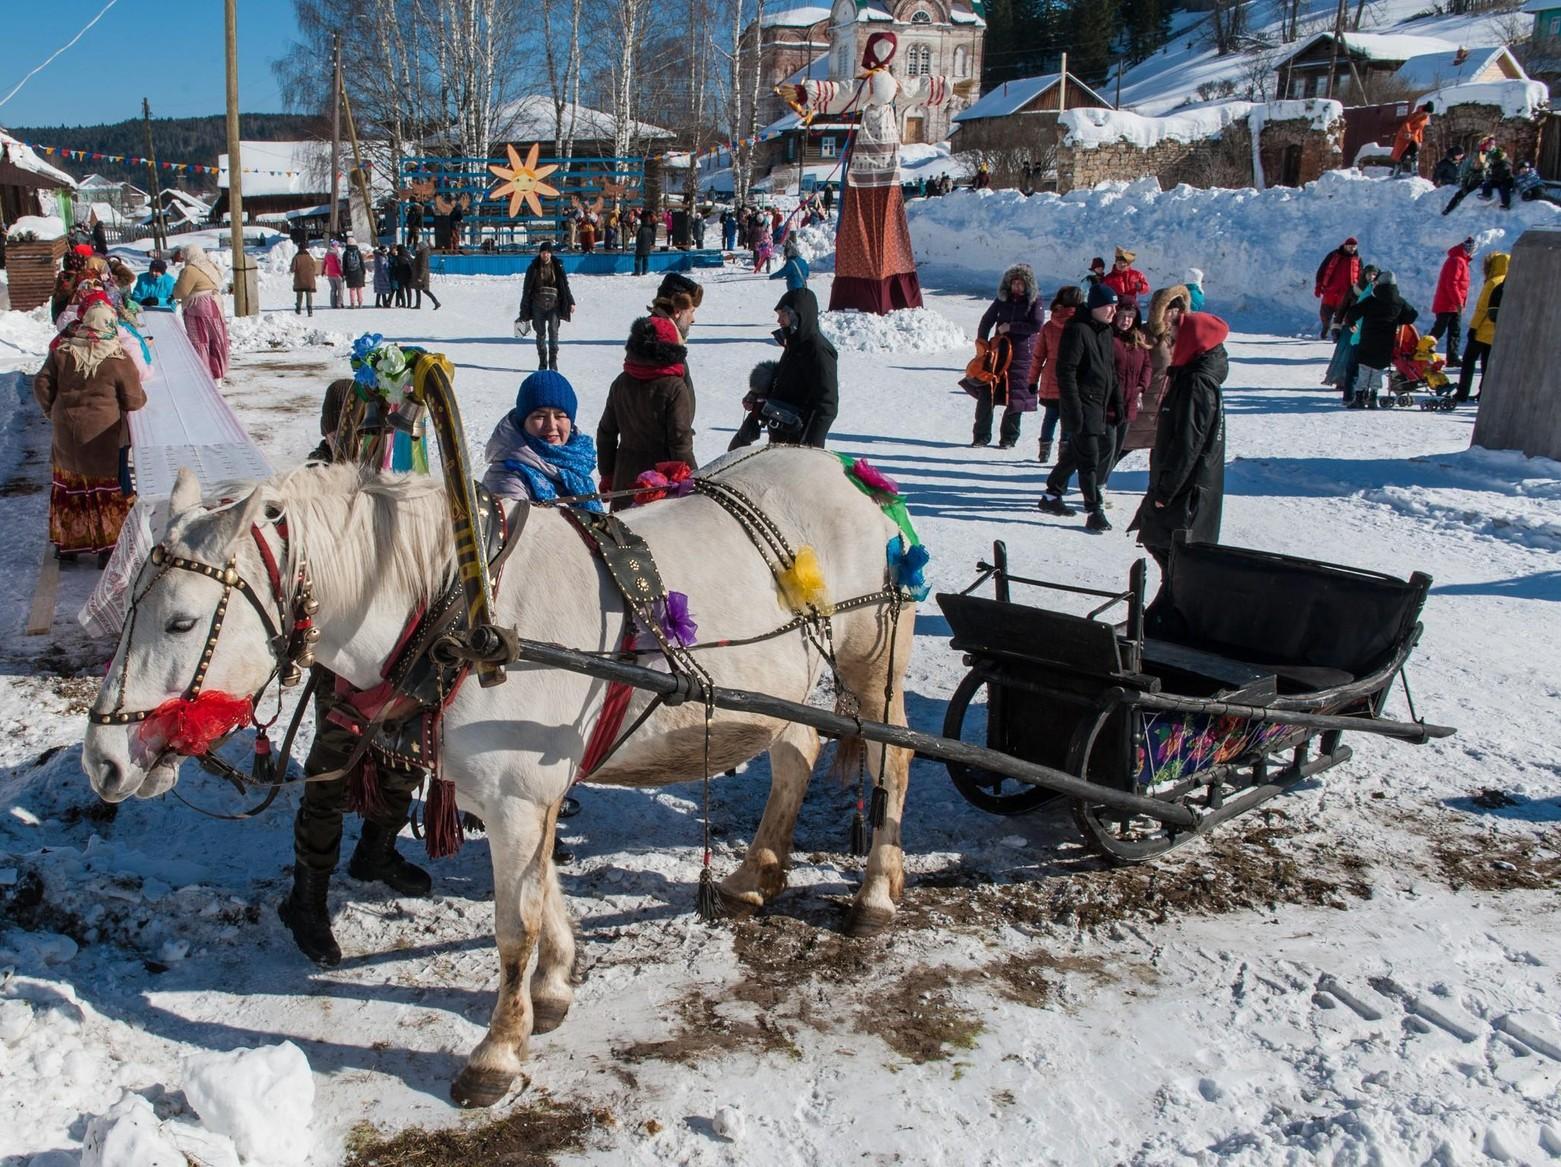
(1363, 309)
(92, 380)
(1113, 382)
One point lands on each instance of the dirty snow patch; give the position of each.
(909, 330)
(271, 331)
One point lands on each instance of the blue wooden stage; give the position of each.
(595, 263)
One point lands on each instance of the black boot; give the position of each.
(308, 918)
(375, 859)
(552, 357)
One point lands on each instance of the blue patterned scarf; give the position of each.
(575, 462)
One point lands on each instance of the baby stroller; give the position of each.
(1417, 366)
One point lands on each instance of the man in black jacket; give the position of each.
(1187, 464)
(644, 243)
(1087, 389)
(1380, 315)
(806, 378)
(545, 300)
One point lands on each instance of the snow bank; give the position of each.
(39, 226)
(1515, 99)
(262, 1099)
(1090, 129)
(1259, 250)
(910, 330)
(24, 340)
(129, 1135)
(271, 331)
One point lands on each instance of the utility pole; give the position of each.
(159, 229)
(336, 140)
(244, 283)
(359, 172)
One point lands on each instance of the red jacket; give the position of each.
(1337, 276)
(1452, 286)
(1128, 284)
(1043, 366)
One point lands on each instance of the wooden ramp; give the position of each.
(40, 617)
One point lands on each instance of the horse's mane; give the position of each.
(356, 526)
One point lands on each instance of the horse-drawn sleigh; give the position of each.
(798, 566)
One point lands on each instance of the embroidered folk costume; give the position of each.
(875, 270)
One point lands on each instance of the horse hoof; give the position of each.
(736, 907)
(547, 1016)
(864, 922)
(475, 1088)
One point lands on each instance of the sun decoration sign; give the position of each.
(523, 181)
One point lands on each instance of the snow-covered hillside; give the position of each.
(1171, 77)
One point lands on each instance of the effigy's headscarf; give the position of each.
(195, 256)
(93, 339)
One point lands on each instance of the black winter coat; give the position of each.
(806, 377)
(566, 301)
(1445, 172)
(1380, 315)
(1187, 463)
(645, 237)
(1086, 376)
(352, 265)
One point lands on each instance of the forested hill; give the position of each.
(197, 140)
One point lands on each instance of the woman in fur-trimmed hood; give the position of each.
(1017, 313)
(649, 415)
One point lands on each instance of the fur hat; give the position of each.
(762, 379)
(655, 340)
(1126, 256)
(546, 389)
(675, 281)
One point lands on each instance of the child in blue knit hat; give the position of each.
(536, 451)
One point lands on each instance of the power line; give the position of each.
(58, 51)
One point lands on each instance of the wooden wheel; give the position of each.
(974, 715)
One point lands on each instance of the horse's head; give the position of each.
(187, 631)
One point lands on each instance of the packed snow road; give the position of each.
(1365, 973)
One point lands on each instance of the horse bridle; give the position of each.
(291, 635)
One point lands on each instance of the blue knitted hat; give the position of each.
(545, 389)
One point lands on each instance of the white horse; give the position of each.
(377, 546)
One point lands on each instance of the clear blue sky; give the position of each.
(170, 51)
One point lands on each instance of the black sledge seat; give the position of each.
(1315, 625)
(1005, 630)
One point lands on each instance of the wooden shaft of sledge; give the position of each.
(1410, 731)
(833, 725)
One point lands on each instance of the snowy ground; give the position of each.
(1367, 974)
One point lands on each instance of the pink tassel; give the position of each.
(442, 820)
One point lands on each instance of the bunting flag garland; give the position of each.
(174, 167)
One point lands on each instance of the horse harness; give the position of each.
(291, 633)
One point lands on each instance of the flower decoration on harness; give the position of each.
(802, 585)
(908, 567)
(667, 480)
(876, 481)
(677, 625)
(381, 373)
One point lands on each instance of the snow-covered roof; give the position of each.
(281, 168)
(1090, 128)
(1540, 6)
(1012, 96)
(1459, 67)
(40, 227)
(185, 197)
(1515, 99)
(794, 14)
(107, 214)
(1382, 46)
(23, 157)
(535, 119)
